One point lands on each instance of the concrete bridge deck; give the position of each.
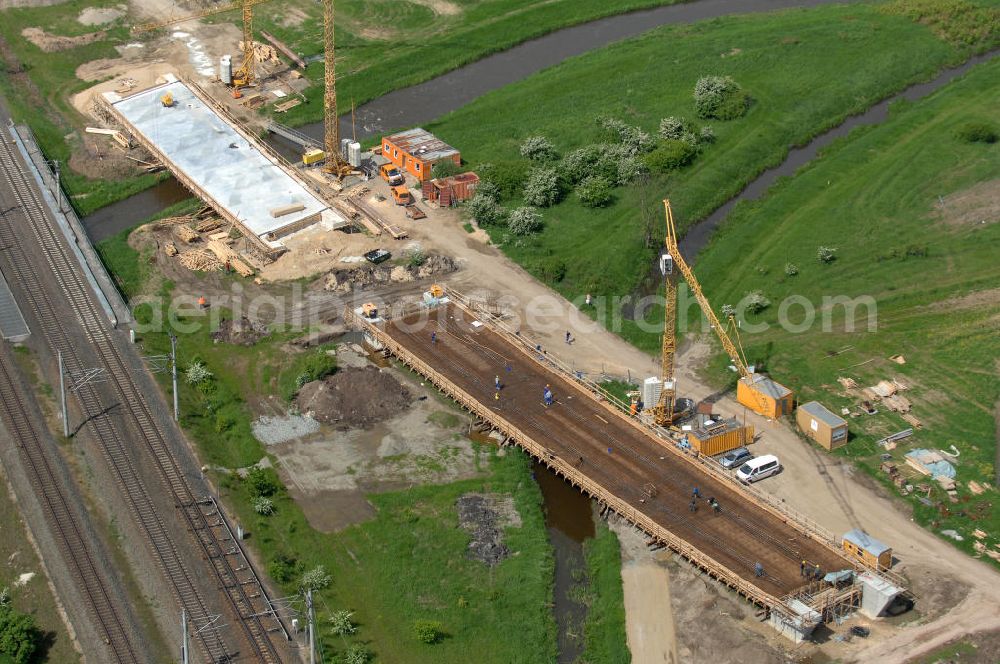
(611, 456)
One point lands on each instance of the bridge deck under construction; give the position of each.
(611, 456)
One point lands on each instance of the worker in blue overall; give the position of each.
(547, 395)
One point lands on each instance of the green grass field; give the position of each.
(931, 269)
(604, 630)
(382, 46)
(806, 70)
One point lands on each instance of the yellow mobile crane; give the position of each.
(751, 390)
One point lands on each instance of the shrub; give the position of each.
(197, 373)
(622, 164)
(582, 163)
(341, 623)
(444, 169)
(507, 176)
(488, 190)
(428, 631)
(977, 132)
(542, 188)
(262, 482)
(283, 568)
(706, 135)
(791, 269)
(415, 256)
(671, 155)
(485, 210)
(524, 221)
(538, 148)
(826, 254)
(315, 579)
(633, 138)
(756, 302)
(550, 270)
(672, 128)
(226, 418)
(357, 654)
(594, 191)
(263, 506)
(19, 636)
(719, 97)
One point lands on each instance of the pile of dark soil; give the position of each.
(478, 515)
(354, 398)
(346, 280)
(242, 332)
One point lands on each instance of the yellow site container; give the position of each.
(764, 396)
(310, 157)
(711, 442)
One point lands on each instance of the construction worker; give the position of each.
(715, 506)
(758, 570)
(496, 395)
(547, 395)
(434, 337)
(817, 573)
(693, 506)
(588, 300)
(695, 493)
(569, 337)
(496, 381)
(202, 302)
(802, 568)
(633, 408)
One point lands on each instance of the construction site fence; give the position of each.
(669, 439)
(562, 467)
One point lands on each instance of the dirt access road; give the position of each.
(817, 485)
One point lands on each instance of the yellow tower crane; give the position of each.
(673, 258)
(663, 411)
(245, 74)
(335, 162)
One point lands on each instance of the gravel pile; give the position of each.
(275, 430)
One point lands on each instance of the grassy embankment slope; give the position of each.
(806, 70)
(37, 85)
(385, 46)
(409, 563)
(932, 269)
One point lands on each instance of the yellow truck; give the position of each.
(401, 195)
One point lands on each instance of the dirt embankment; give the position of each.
(51, 43)
(243, 332)
(346, 280)
(485, 516)
(354, 398)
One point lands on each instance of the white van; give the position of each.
(759, 468)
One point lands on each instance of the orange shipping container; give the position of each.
(417, 151)
(764, 396)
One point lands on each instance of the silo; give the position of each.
(226, 69)
(354, 154)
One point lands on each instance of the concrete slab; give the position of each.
(12, 325)
(218, 159)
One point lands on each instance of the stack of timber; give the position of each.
(170, 249)
(186, 234)
(229, 257)
(209, 225)
(200, 260)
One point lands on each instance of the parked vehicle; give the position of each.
(735, 458)
(758, 468)
(401, 195)
(391, 174)
(377, 256)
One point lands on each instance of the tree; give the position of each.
(719, 97)
(263, 506)
(543, 188)
(538, 149)
(283, 568)
(197, 373)
(19, 636)
(756, 302)
(508, 176)
(446, 168)
(672, 154)
(485, 210)
(826, 254)
(582, 163)
(341, 623)
(673, 128)
(524, 221)
(357, 654)
(262, 482)
(594, 191)
(428, 631)
(316, 579)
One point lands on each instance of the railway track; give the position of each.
(234, 574)
(73, 545)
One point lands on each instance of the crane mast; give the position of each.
(335, 163)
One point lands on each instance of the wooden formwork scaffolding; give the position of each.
(825, 603)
